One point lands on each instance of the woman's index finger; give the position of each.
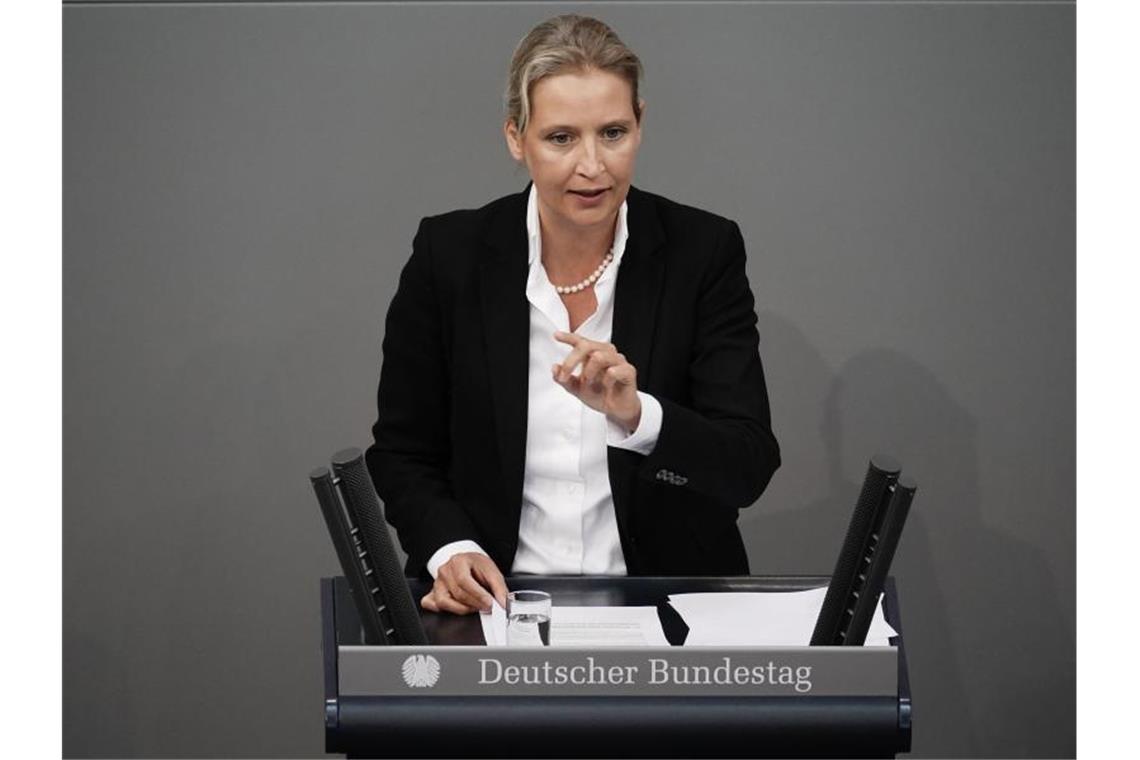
(572, 339)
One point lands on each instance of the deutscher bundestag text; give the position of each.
(657, 672)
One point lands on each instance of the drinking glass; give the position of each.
(528, 619)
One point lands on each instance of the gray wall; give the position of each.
(242, 183)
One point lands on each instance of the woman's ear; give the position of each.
(514, 140)
(640, 122)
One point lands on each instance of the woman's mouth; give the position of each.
(590, 197)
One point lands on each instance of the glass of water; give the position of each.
(528, 619)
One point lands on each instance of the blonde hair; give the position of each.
(567, 43)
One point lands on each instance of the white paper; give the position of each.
(606, 627)
(776, 618)
(586, 626)
(494, 625)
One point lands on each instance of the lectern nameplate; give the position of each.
(410, 671)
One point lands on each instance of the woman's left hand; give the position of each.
(607, 382)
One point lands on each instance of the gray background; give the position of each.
(241, 187)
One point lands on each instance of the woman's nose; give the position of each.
(590, 163)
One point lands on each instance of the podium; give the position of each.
(743, 722)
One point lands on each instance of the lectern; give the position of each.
(410, 701)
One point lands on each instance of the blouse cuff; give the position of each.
(447, 551)
(644, 438)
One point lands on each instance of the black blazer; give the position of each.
(450, 438)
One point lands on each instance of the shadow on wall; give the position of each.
(992, 665)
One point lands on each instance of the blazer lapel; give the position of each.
(506, 331)
(636, 301)
(639, 281)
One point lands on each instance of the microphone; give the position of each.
(866, 554)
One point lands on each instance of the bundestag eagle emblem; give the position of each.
(421, 670)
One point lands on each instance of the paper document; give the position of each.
(586, 627)
(777, 618)
(494, 625)
(606, 627)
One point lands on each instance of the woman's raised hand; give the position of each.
(607, 382)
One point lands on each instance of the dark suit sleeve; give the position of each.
(720, 444)
(411, 453)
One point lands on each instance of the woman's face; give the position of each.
(582, 136)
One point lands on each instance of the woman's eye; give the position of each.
(611, 133)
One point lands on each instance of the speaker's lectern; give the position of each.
(454, 697)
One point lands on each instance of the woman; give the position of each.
(571, 379)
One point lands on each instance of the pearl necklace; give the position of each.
(567, 289)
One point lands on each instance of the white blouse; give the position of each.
(568, 525)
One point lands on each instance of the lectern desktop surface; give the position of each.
(606, 726)
(601, 591)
